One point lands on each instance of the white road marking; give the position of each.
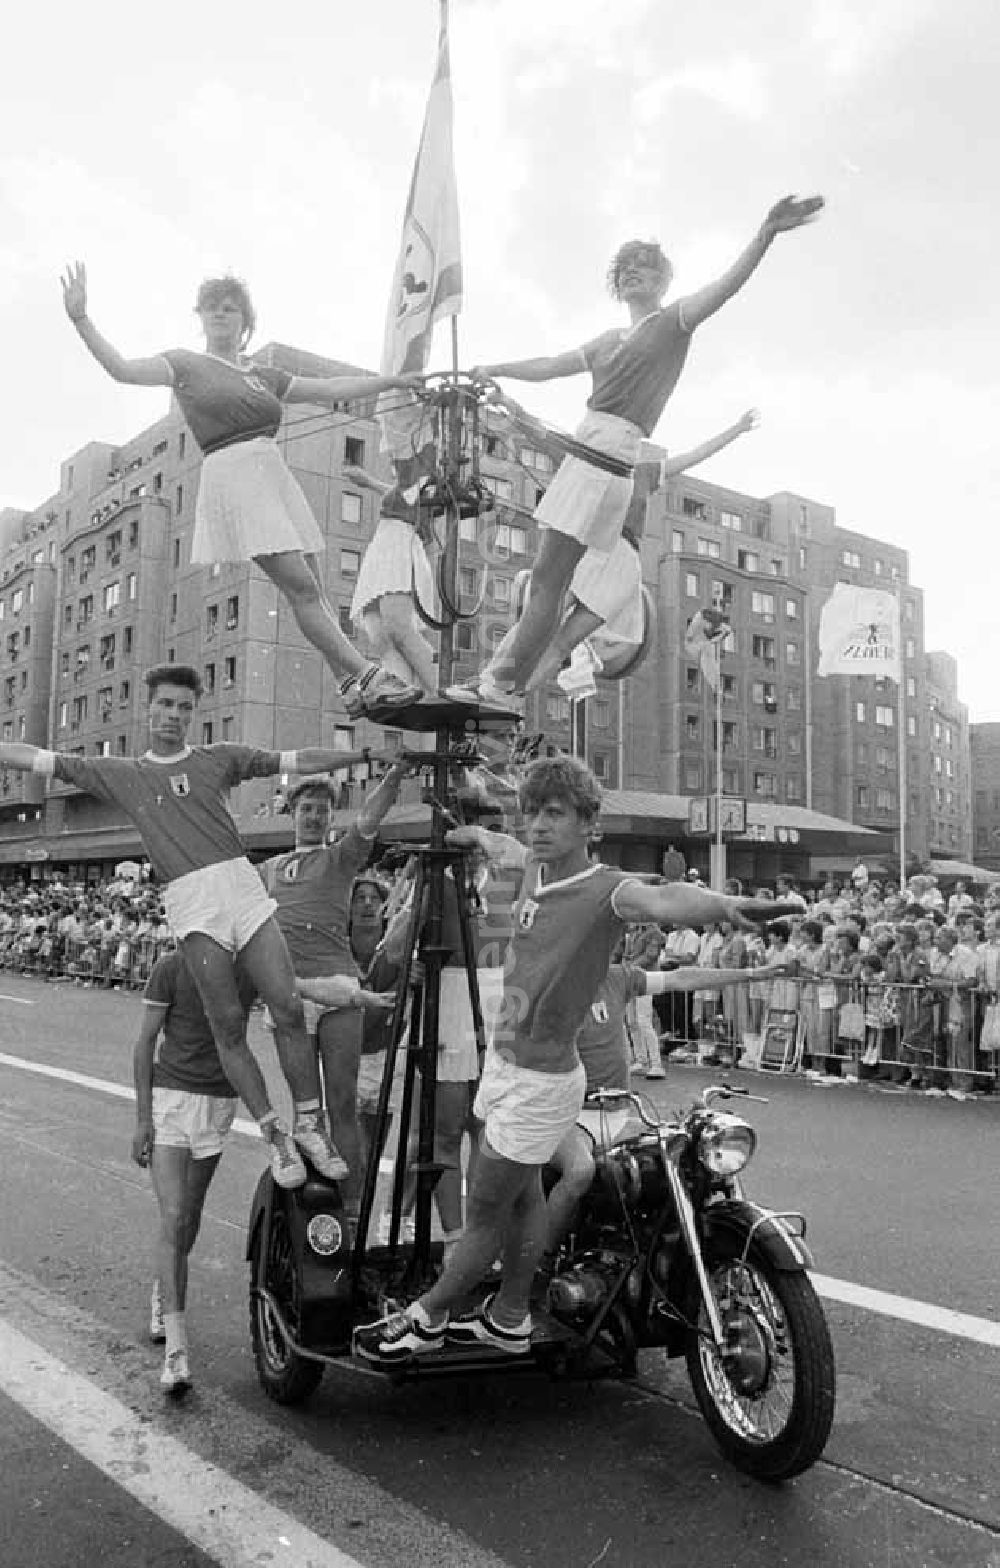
(190, 1494)
(22, 1001)
(961, 1325)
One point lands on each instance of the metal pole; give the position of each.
(901, 720)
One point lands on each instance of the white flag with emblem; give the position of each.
(427, 283)
(859, 633)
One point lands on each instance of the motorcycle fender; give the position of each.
(738, 1220)
(261, 1210)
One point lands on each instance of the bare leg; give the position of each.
(523, 1246)
(292, 574)
(268, 964)
(499, 1184)
(212, 970)
(340, 1035)
(576, 626)
(180, 1183)
(401, 646)
(557, 559)
(451, 1107)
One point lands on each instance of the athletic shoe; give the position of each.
(377, 688)
(175, 1379)
(398, 1337)
(157, 1332)
(483, 691)
(287, 1167)
(479, 1328)
(313, 1137)
(655, 1072)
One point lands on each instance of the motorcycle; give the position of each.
(665, 1253)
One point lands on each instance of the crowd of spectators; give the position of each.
(903, 986)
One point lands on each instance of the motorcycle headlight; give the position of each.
(324, 1235)
(726, 1144)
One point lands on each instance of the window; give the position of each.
(764, 694)
(124, 694)
(911, 686)
(112, 597)
(764, 648)
(503, 489)
(731, 781)
(121, 745)
(802, 557)
(468, 581)
(730, 736)
(105, 697)
(539, 460)
(177, 553)
(776, 566)
(722, 594)
(692, 507)
(731, 520)
(793, 788)
(228, 728)
(600, 715)
(467, 530)
(909, 613)
(63, 714)
(850, 558)
(232, 612)
(791, 610)
(884, 717)
(114, 547)
(181, 443)
(500, 589)
(17, 601)
(518, 539)
(877, 567)
(133, 534)
(354, 451)
(793, 699)
(793, 654)
(765, 740)
(173, 607)
(762, 604)
(103, 748)
(765, 784)
(884, 758)
(859, 712)
(208, 680)
(350, 563)
(127, 640)
(211, 620)
(692, 776)
(229, 671)
(885, 800)
(677, 541)
(691, 677)
(465, 637)
(64, 665)
(692, 726)
(131, 586)
(557, 709)
(729, 688)
(602, 767)
(179, 507)
(710, 548)
(692, 586)
(794, 744)
(350, 507)
(106, 652)
(748, 560)
(206, 733)
(861, 797)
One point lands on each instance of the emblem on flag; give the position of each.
(859, 633)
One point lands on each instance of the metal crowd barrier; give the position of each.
(118, 961)
(940, 1034)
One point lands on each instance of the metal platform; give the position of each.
(444, 713)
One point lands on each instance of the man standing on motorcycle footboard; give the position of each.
(568, 919)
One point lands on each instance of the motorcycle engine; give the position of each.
(632, 1174)
(580, 1290)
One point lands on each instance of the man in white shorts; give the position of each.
(312, 885)
(568, 919)
(175, 795)
(185, 1106)
(634, 371)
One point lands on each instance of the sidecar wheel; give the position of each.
(285, 1377)
(769, 1404)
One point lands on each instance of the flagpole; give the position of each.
(901, 719)
(720, 865)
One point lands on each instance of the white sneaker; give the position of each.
(175, 1379)
(157, 1331)
(287, 1165)
(312, 1135)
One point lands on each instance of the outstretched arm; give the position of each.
(152, 372)
(17, 755)
(550, 367)
(327, 759)
(680, 904)
(789, 213)
(682, 461)
(693, 978)
(345, 389)
(501, 849)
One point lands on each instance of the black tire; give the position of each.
(777, 1424)
(285, 1377)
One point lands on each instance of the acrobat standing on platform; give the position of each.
(634, 371)
(250, 506)
(214, 899)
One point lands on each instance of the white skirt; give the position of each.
(394, 562)
(585, 502)
(611, 586)
(250, 504)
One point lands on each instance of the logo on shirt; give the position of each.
(180, 784)
(291, 871)
(526, 916)
(600, 1012)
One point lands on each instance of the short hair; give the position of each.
(560, 778)
(626, 252)
(313, 784)
(212, 290)
(173, 675)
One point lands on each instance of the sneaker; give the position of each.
(157, 1332)
(377, 688)
(175, 1379)
(313, 1137)
(478, 1328)
(656, 1072)
(483, 691)
(398, 1337)
(287, 1167)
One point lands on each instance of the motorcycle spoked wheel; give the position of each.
(770, 1406)
(285, 1377)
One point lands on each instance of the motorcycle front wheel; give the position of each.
(285, 1377)
(769, 1399)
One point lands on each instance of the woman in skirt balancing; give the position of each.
(250, 507)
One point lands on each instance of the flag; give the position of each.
(427, 282)
(708, 636)
(859, 633)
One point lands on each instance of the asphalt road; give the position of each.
(900, 1193)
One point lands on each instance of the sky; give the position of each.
(162, 144)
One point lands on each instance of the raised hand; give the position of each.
(791, 212)
(74, 287)
(750, 420)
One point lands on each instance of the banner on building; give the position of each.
(859, 633)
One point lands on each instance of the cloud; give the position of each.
(737, 85)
